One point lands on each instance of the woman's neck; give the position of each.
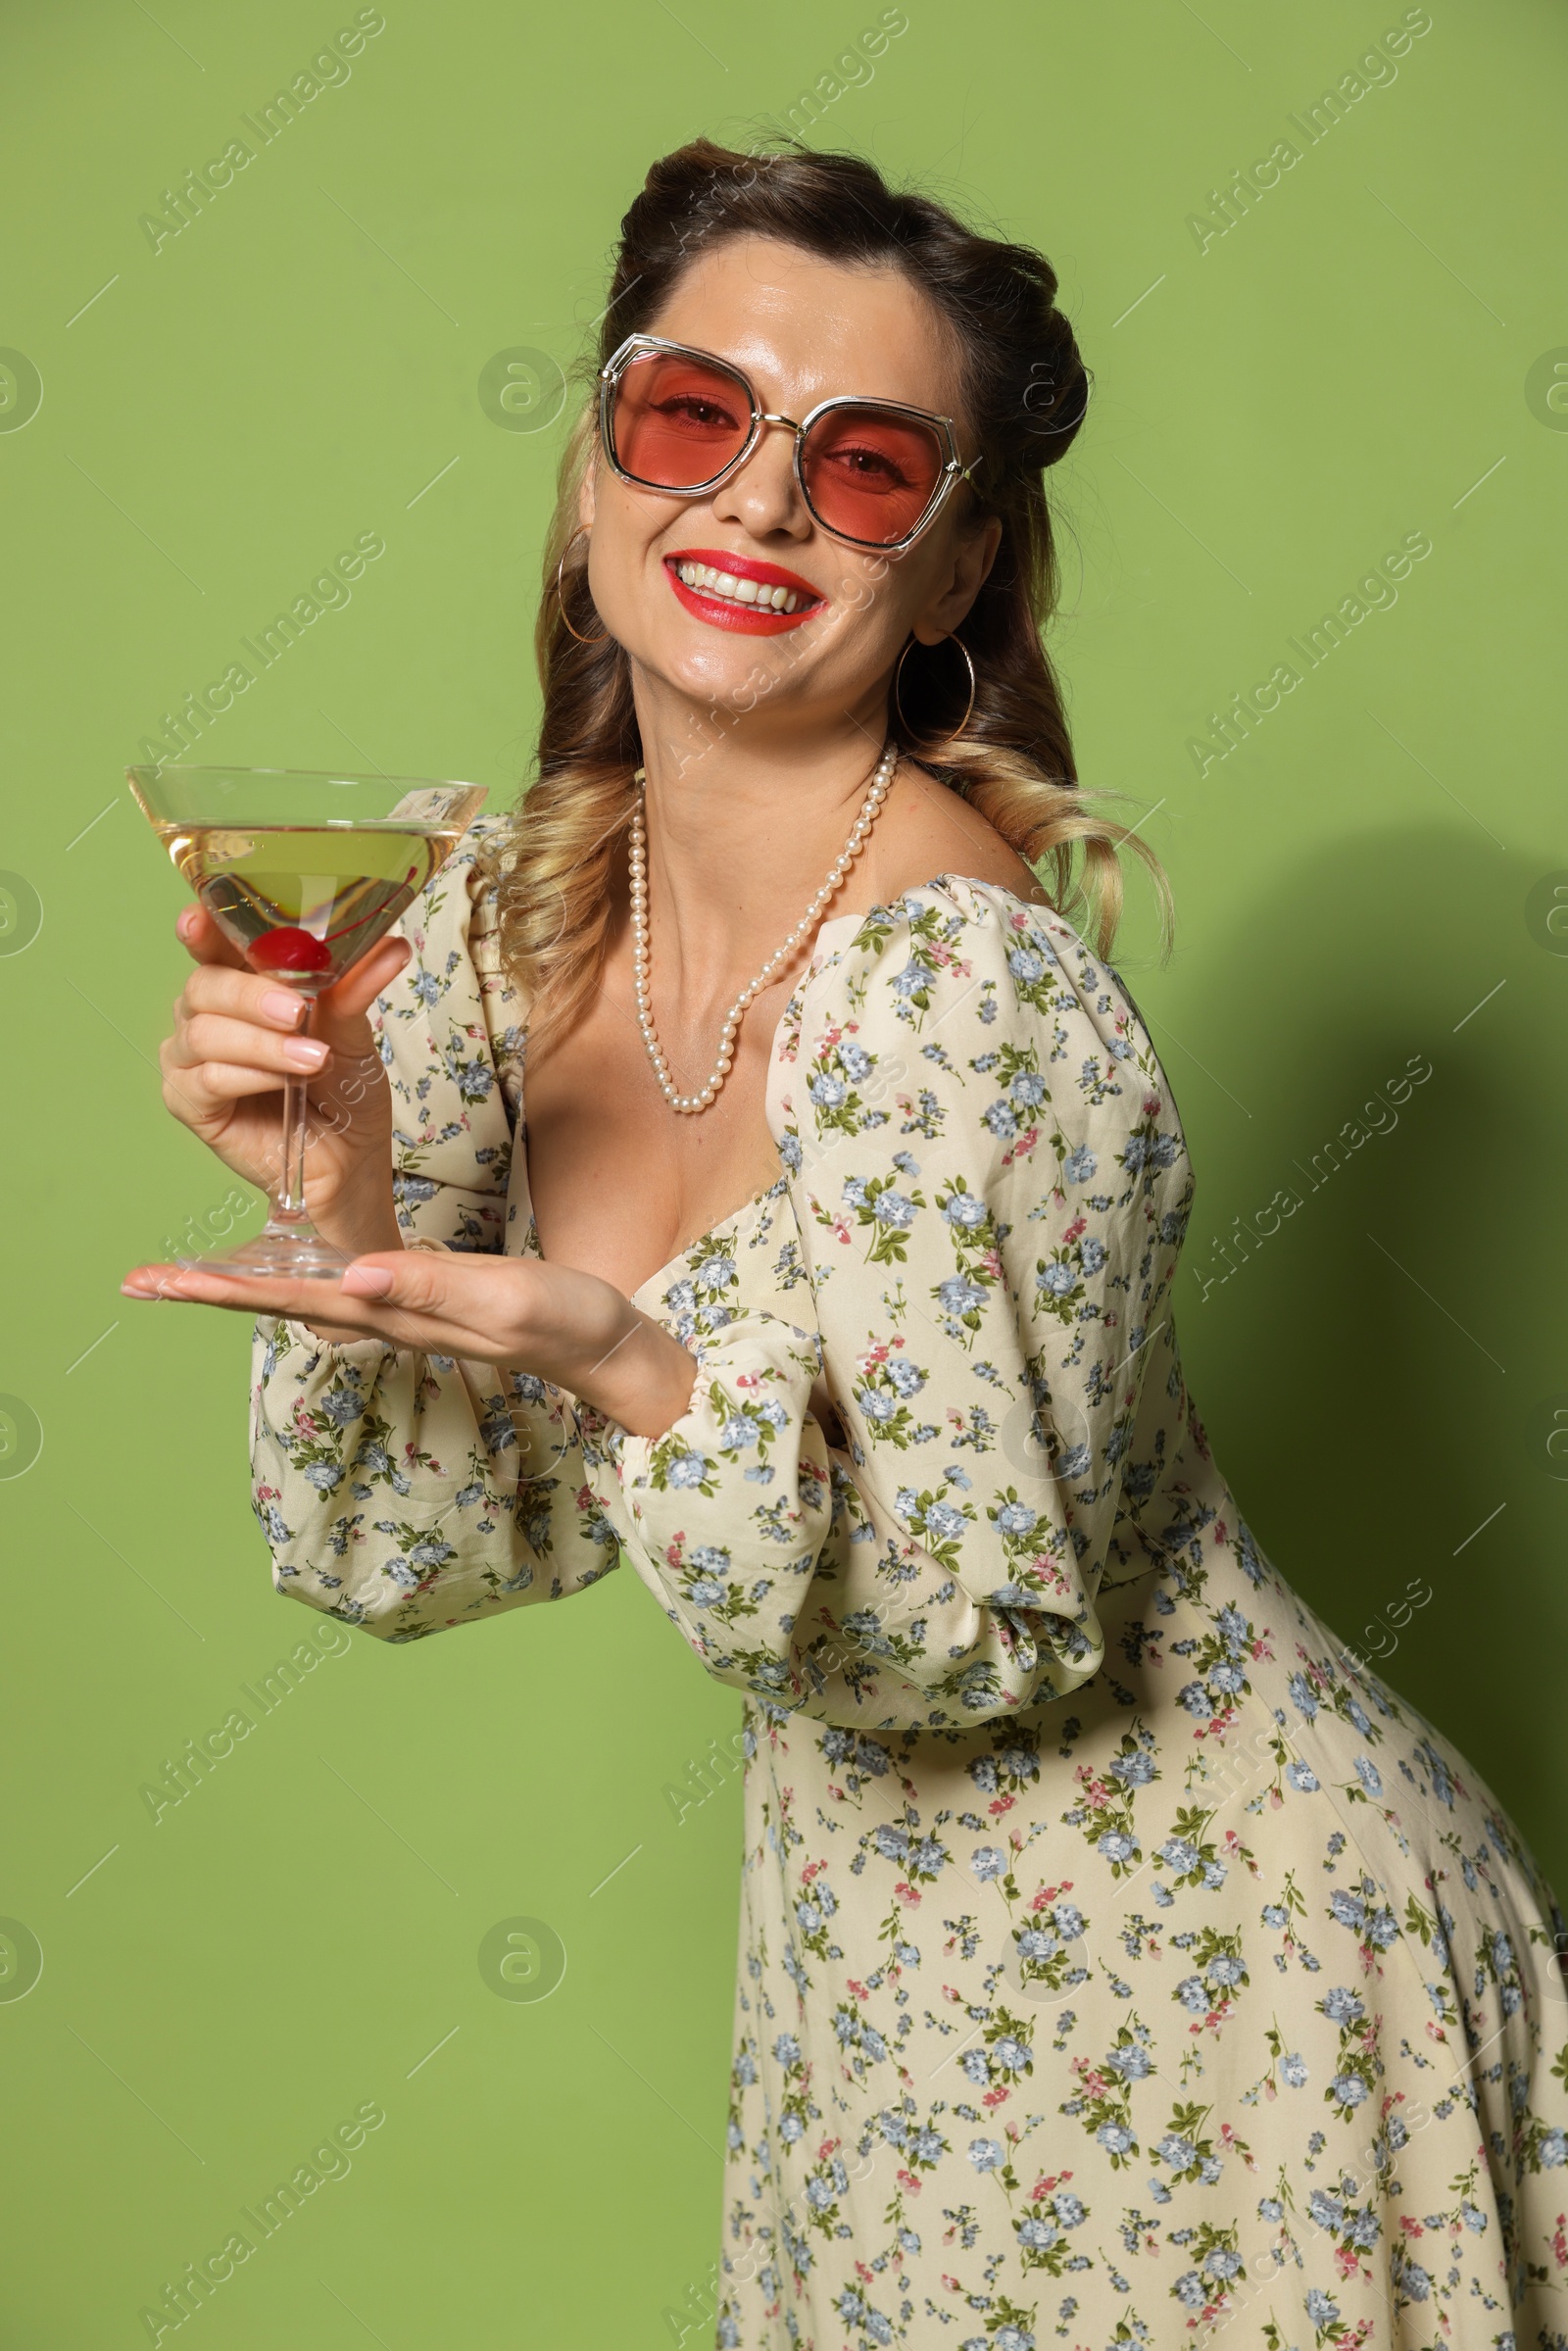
(744, 821)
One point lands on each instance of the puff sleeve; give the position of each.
(402, 1491)
(991, 1185)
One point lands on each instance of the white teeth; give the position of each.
(714, 582)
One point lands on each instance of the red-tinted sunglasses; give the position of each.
(680, 421)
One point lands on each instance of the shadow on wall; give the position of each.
(1379, 1364)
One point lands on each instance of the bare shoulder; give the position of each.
(926, 829)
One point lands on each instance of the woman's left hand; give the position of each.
(569, 1328)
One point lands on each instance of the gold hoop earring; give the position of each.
(897, 706)
(581, 532)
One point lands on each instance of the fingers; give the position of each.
(239, 1034)
(215, 1060)
(412, 1284)
(224, 982)
(364, 1280)
(240, 994)
(315, 1304)
(204, 942)
(220, 999)
(216, 1043)
(565, 1327)
(208, 945)
(363, 982)
(417, 1310)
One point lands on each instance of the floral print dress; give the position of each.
(1121, 1959)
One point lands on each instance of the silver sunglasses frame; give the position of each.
(641, 346)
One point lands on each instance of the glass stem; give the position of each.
(289, 1206)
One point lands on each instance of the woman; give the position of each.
(1120, 1955)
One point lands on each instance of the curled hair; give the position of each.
(1026, 390)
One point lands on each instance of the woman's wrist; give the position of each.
(643, 1380)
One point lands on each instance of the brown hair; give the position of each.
(1026, 390)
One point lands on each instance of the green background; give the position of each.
(1367, 353)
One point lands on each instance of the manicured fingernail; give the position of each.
(187, 922)
(284, 1006)
(366, 1281)
(304, 1052)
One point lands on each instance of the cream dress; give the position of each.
(1121, 1959)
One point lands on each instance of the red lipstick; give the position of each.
(725, 611)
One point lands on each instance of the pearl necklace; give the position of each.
(688, 1105)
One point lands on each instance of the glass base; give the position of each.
(294, 1252)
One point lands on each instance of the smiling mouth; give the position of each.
(737, 588)
(733, 592)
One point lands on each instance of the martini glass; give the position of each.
(303, 873)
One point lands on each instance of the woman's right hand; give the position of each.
(238, 1035)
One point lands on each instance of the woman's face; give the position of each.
(801, 329)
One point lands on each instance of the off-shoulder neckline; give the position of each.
(732, 1224)
(894, 906)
